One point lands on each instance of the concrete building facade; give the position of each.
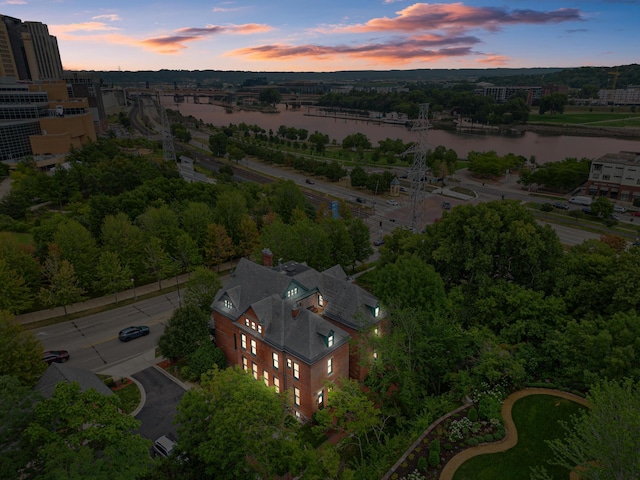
(615, 176)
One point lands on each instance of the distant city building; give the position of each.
(86, 85)
(502, 94)
(39, 119)
(620, 96)
(27, 51)
(615, 176)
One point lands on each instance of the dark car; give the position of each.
(560, 205)
(378, 242)
(635, 214)
(588, 211)
(57, 356)
(446, 205)
(360, 200)
(130, 333)
(310, 182)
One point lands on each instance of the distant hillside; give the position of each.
(602, 77)
(216, 78)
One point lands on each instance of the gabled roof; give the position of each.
(346, 302)
(57, 373)
(303, 335)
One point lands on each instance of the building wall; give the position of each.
(615, 176)
(310, 379)
(14, 138)
(61, 133)
(7, 62)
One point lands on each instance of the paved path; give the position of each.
(511, 437)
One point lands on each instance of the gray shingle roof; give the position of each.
(57, 373)
(264, 290)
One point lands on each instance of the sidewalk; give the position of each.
(99, 302)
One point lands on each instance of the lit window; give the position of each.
(297, 414)
(292, 291)
(375, 355)
(376, 311)
(296, 370)
(254, 347)
(296, 396)
(228, 304)
(376, 331)
(254, 369)
(265, 377)
(245, 364)
(288, 362)
(330, 366)
(320, 398)
(276, 384)
(246, 322)
(275, 360)
(330, 339)
(320, 301)
(243, 341)
(259, 328)
(253, 325)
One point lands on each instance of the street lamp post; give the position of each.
(133, 282)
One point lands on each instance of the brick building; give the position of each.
(292, 327)
(615, 176)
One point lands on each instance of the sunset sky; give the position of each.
(332, 35)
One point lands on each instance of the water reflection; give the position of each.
(544, 147)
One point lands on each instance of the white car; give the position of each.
(163, 446)
(392, 202)
(619, 208)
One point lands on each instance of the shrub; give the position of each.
(394, 476)
(489, 407)
(472, 442)
(473, 414)
(418, 449)
(479, 438)
(412, 456)
(448, 447)
(498, 436)
(488, 437)
(546, 207)
(422, 464)
(404, 464)
(434, 458)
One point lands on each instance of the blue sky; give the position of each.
(331, 35)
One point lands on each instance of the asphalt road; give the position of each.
(163, 396)
(92, 341)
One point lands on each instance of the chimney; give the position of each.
(267, 258)
(295, 310)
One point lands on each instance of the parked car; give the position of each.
(378, 242)
(130, 333)
(57, 356)
(635, 214)
(392, 202)
(560, 205)
(360, 200)
(588, 211)
(586, 201)
(164, 446)
(619, 208)
(309, 181)
(446, 205)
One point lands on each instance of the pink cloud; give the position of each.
(425, 16)
(494, 60)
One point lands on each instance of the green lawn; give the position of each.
(26, 238)
(536, 418)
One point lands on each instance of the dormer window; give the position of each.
(376, 311)
(320, 301)
(292, 291)
(330, 339)
(228, 304)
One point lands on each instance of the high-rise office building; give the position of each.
(12, 49)
(45, 48)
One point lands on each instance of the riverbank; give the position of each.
(579, 130)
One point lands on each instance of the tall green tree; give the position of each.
(186, 330)
(218, 246)
(120, 236)
(77, 434)
(359, 233)
(16, 410)
(112, 276)
(158, 261)
(20, 351)
(602, 442)
(63, 287)
(78, 247)
(15, 295)
(201, 289)
(194, 220)
(208, 422)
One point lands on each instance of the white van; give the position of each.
(586, 201)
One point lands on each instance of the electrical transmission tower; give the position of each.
(168, 150)
(418, 170)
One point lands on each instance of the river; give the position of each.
(546, 148)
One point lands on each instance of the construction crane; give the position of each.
(615, 74)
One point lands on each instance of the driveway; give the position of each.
(162, 398)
